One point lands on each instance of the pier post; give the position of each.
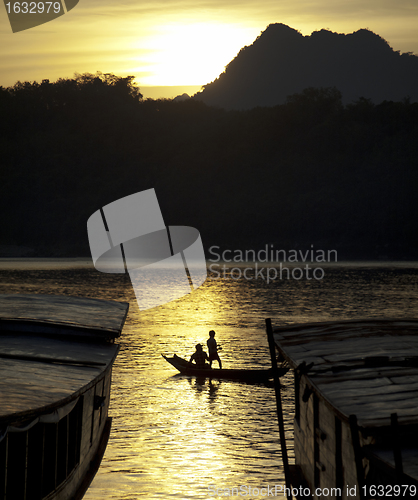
(279, 406)
(397, 454)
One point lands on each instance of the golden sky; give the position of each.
(181, 43)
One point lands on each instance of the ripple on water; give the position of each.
(173, 436)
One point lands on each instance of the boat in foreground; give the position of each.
(356, 406)
(56, 356)
(187, 368)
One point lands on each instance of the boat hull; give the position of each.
(356, 415)
(95, 433)
(55, 393)
(187, 368)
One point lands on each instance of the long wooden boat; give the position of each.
(356, 406)
(56, 356)
(187, 368)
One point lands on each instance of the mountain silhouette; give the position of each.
(282, 61)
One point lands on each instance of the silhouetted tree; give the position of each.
(308, 171)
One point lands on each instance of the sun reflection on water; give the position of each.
(174, 436)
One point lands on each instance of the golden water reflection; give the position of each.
(183, 434)
(174, 436)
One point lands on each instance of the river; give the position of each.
(181, 438)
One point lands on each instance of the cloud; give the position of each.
(116, 37)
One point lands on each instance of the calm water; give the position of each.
(173, 436)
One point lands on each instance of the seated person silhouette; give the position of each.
(199, 357)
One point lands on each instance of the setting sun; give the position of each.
(175, 47)
(191, 53)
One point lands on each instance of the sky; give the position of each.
(176, 46)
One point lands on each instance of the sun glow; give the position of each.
(190, 54)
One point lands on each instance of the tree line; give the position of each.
(309, 171)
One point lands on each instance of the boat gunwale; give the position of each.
(21, 416)
(82, 338)
(94, 330)
(367, 428)
(50, 329)
(59, 329)
(310, 324)
(262, 374)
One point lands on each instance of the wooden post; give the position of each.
(279, 406)
(357, 454)
(397, 454)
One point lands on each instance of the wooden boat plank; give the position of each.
(35, 373)
(27, 370)
(353, 337)
(302, 339)
(366, 413)
(404, 379)
(303, 334)
(386, 391)
(353, 324)
(386, 403)
(96, 414)
(10, 406)
(353, 349)
(349, 403)
(361, 356)
(345, 384)
(30, 385)
(333, 345)
(36, 376)
(365, 376)
(95, 464)
(35, 380)
(409, 460)
(373, 423)
(339, 349)
(42, 390)
(330, 377)
(316, 360)
(93, 314)
(375, 347)
(376, 401)
(55, 349)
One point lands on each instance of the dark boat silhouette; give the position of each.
(250, 375)
(56, 357)
(356, 406)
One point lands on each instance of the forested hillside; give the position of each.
(309, 171)
(282, 61)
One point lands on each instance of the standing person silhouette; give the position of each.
(213, 349)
